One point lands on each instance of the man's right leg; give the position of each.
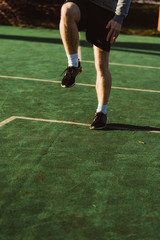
(70, 17)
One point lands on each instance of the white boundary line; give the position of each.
(53, 121)
(80, 84)
(126, 65)
(138, 90)
(30, 79)
(41, 120)
(7, 121)
(79, 49)
(79, 53)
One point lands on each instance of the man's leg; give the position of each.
(104, 80)
(70, 17)
(103, 87)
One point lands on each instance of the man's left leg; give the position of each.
(103, 87)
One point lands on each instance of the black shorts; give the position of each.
(94, 20)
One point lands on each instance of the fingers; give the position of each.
(109, 35)
(110, 32)
(114, 35)
(113, 32)
(109, 24)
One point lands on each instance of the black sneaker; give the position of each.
(70, 75)
(99, 121)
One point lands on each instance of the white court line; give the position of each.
(7, 121)
(79, 49)
(54, 121)
(126, 65)
(80, 84)
(136, 89)
(30, 79)
(79, 53)
(41, 120)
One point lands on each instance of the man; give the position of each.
(102, 20)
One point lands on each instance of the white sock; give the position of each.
(102, 108)
(73, 60)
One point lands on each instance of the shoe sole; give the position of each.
(98, 128)
(64, 86)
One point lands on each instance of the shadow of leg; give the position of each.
(127, 127)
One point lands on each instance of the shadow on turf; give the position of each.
(31, 39)
(127, 127)
(144, 48)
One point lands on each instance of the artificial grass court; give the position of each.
(60, 180)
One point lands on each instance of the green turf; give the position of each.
(67, 182)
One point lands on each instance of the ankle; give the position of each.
(102, 108)
(72, 60)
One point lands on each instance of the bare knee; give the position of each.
(101, 60)
(70, 11)
(103, 73)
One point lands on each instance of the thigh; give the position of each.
(96, 32)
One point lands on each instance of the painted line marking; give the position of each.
(79, 53)
(41, 120)
(30, 79)
(80, 84)
(136, 89)
(53, 121)
(8, 120)
(126, 65)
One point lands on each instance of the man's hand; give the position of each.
(114, 31)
